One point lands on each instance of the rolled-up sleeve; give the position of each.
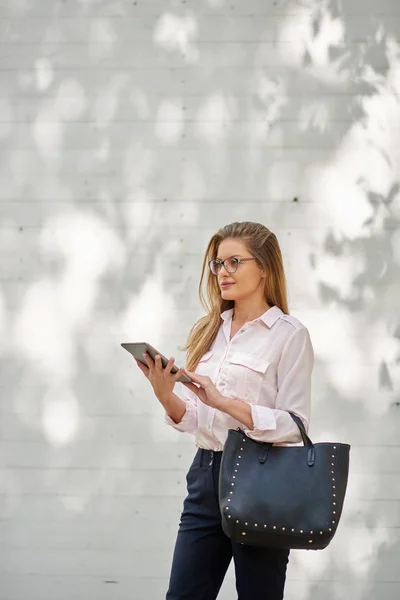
(188, 423)
(294, 393)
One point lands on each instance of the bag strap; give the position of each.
(306, 440)
(299, 423)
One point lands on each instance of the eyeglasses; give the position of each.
(230, 264)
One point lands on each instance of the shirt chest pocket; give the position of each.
(246, 375)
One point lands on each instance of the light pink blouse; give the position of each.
(268, 363)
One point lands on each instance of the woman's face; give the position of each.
(248, 277)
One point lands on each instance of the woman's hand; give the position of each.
(208, 393)
(162, 380)
(205, 390)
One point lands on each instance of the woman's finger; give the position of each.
(192, 375)
(196, 390)
(177, 374)
(142, 367)
(149, 360)
(202, 380)
(192, 386)
(158, 363)
(168, 367)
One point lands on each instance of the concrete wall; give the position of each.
(129, 132)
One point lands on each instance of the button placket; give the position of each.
(210, 418)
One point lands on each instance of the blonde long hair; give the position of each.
(264, 246)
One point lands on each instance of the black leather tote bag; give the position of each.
(282, 496)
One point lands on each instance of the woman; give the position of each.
(250, 363)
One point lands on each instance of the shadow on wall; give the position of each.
(131, 137)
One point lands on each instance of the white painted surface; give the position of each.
(129, 133)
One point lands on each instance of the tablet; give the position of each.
(137, 349)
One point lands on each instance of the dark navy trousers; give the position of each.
(203, 552)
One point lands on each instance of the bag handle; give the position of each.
(299, 423)
(306, 440)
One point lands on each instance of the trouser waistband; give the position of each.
(209, 457)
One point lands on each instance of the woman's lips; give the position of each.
(226, 285)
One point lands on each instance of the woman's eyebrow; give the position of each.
(233, 256)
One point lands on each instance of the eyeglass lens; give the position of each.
(231, 265)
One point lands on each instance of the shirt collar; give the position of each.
(269, 317)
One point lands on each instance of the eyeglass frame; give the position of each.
(222, 263)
